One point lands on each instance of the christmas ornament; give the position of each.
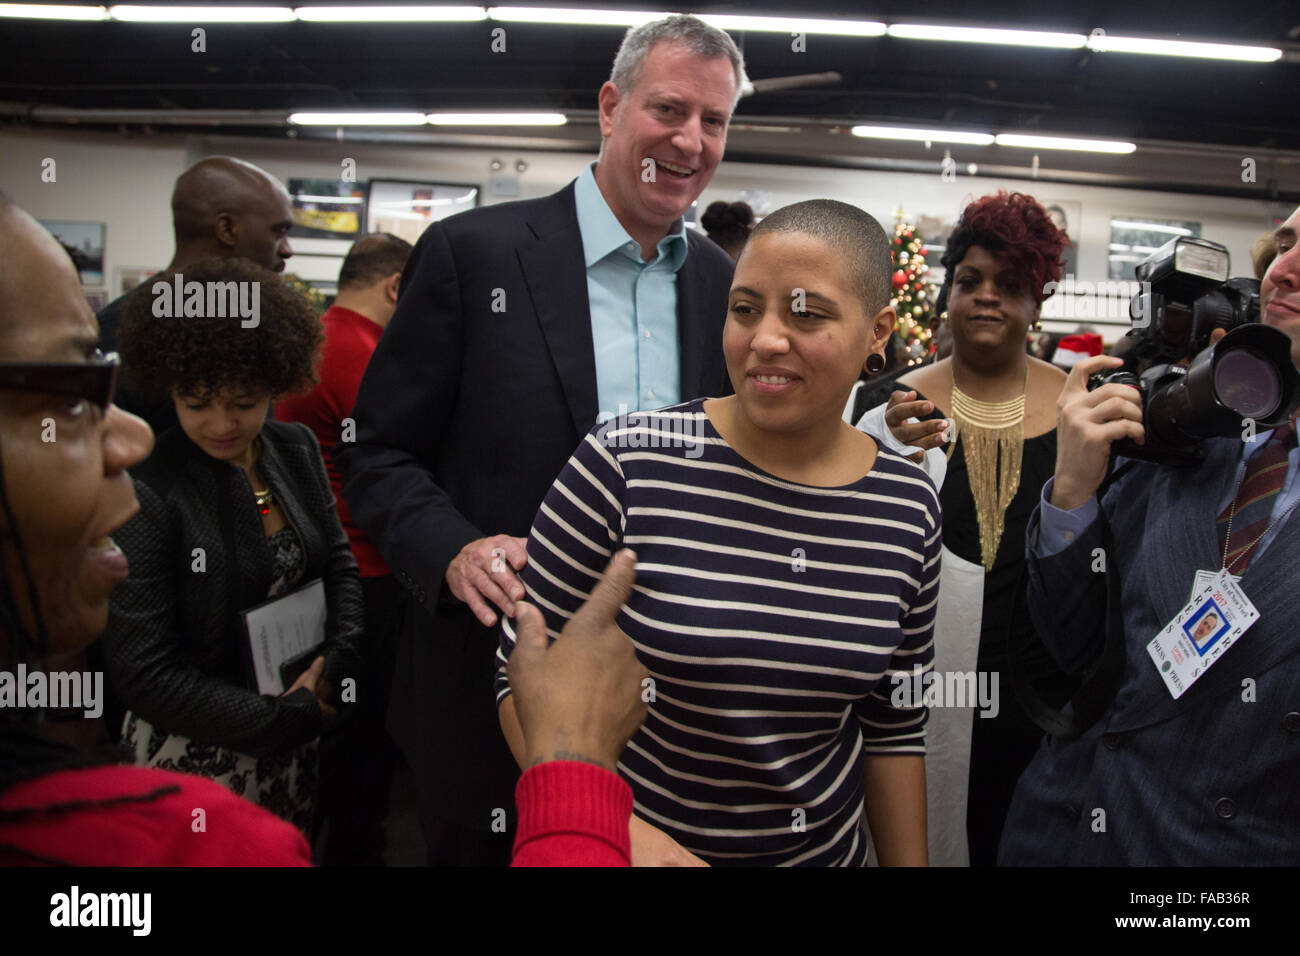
(913, 299)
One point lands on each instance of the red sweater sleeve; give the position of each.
(572, 814)
(134, 816)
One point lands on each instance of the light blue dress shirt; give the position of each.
(1058, 528)
(633, 308)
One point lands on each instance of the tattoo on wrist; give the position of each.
(567, 755)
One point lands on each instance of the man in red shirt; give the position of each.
(357, 761)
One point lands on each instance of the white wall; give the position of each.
(127, 182)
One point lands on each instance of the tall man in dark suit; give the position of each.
(1210, 777)
(518, 324)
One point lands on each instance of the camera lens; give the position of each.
(1247, 383)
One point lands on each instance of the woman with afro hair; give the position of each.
(986, 419)
(235, 509)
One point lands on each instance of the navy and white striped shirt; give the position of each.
(771, 616)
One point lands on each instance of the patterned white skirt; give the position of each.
(284, 783)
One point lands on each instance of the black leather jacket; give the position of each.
(174, 647)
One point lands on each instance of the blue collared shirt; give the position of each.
(633, 307)
(1057, 529)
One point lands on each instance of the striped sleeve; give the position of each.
(893, 721)
(578, 527)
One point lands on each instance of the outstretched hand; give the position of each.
(580, 698)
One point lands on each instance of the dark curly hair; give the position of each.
(1016, 227)
(728, 225)
(198, 355)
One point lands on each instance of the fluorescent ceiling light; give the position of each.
(920, 31)
(631, 18)
(132, 13)
(391, 14)
(843, 28)
(497, 119)
(357, 119)
(923, 135)
(1065, 142)
(1151, 227)
(50, 11)
(1104, 43)
(569, 15)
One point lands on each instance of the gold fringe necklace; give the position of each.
(993, 437)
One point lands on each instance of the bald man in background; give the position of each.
(222, 207)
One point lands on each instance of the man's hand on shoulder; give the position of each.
(1086, 424)
(483, 574)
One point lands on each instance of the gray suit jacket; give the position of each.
(1210, 779)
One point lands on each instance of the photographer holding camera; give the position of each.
(1191, 757)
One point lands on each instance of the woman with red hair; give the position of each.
(987, 417)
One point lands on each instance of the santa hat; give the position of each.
(1076, 348)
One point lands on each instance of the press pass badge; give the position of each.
(1189, 645)
(1205, 577)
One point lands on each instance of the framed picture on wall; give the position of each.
(327, 209)
(406, 207)
(126, 278)
(934, 231)
(1068, 215)
(84, 242)
(1134, 238)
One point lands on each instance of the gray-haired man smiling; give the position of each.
(517, 325)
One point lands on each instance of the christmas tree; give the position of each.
(913, 298)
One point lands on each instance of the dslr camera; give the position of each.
(1192, 390)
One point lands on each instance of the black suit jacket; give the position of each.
(175, 642)
(479, 391)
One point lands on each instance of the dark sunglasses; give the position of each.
(95, 380)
